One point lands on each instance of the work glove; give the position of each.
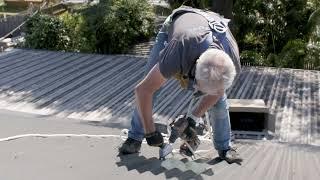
(154, 139)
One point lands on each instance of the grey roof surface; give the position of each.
(100, 88)
(292, 96)
(83, 158)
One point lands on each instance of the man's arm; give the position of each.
(205, 103)
(144, 92)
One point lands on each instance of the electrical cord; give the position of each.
(123, 136)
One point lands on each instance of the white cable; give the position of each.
(55, 135)
(123, 136)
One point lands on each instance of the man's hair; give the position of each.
(215, 68)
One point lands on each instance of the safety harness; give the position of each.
(218, 27)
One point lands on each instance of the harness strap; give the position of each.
(217, 23)
(218, 28)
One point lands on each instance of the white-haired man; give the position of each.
(197, 48)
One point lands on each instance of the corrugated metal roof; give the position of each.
(262, 160)
(100, 88)
(292, 96)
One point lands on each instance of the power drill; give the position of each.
(178, 129)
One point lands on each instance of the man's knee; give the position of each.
(221, 108)
(221, 103)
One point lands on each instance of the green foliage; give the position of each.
(273, 32)
(272, 60)
(118, 24)
(82, 38)
(252, 58)
(314, 4)
(273, 22)
(46, 32)
(111, 26)
(272, 28)
(313, 55)
(314, 26)
(293, 54)
(313, 47)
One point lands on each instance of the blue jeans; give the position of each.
(220, 113)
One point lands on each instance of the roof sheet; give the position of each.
(83, 158)
(100, 88)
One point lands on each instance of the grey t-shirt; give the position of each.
(188, 37)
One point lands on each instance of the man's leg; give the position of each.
(221, 125)
(222, 131)
(136, 131)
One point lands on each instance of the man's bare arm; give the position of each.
(144, 92)
(205, 103)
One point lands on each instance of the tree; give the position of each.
(193, 3)
(223, 7)
(313, 47)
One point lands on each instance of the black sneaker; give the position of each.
(130, 146)
(230, 155)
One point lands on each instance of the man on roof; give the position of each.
(197, 48)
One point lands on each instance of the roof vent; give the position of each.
(250, 119)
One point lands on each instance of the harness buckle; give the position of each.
(219, 27)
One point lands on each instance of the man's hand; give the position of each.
(154, 139)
